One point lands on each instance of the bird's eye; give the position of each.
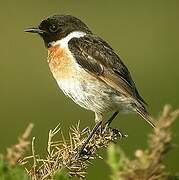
(53, 28)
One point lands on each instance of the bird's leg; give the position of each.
(111, 118)
(98, 120)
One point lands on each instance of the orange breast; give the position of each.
(60, 62)
(55, 52)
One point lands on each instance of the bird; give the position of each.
(88, 70)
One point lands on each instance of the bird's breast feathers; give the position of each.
(61, 61)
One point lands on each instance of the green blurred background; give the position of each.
(145, 33)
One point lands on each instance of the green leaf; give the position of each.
(61, 175)
(116, 158)
(11, 173)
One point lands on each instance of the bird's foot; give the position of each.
(100, 136)
(113, 133)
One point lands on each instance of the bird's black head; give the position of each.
(57, 27)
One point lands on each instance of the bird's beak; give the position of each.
(34, 30)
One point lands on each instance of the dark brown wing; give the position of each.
(97, 57)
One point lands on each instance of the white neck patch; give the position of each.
(64, 42)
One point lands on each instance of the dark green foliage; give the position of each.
(61, 175)
(11, 173)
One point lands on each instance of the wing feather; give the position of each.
(99, 59)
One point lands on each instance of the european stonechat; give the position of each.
(88, 70)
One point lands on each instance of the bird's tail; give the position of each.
(141, 110)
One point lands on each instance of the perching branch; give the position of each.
(63, 154)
